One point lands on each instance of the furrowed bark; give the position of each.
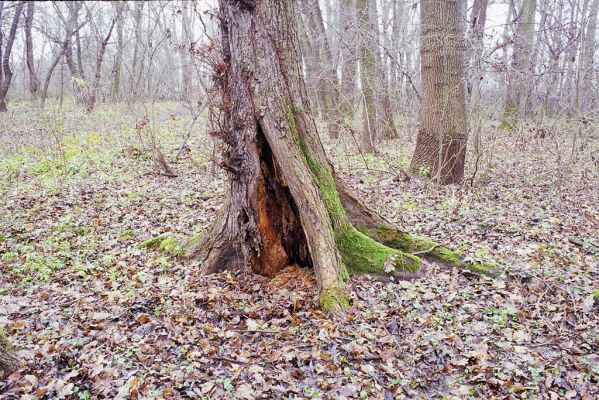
(441, 144)
(9, 363)
(283, 206)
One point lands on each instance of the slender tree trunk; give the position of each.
(323, 66)
(116, 77)
(384, 115)
(33, 81)
(7, 71)
(349, 57)
(588, 59)
(99, 58)
(137, 52)
(441, 143)
(515, 101)
(1, 45)
(78, 80)
(185, 49)
(475, 71)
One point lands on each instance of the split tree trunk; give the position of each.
(91, 98)
(441, 143)
(285, 204)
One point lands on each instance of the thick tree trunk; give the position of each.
(283, 206)
(441, 143)
(7, 72)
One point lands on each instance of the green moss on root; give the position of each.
(417, 244)
(334, 300)
(362, 254)
(151, 242)
(167, 244)
(4, 339)
(596, 294)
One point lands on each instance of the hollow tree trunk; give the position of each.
(5, 82)
(285, 204)
(441, 143)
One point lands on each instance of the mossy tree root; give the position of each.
(363, 254)
(429, 249)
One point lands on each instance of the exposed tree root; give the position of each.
(429, 249)
(378, 228)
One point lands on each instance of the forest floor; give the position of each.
(92, 316)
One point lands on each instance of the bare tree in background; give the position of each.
(33, 80)
(118, 59)
(6, 77)
(521, 65)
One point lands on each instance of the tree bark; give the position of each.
(515, 100)
(78, 80)
(327, 83)
(9, 363)
(33, 80)
(91, 100)
(349, 58)
(441, 143)
(384, 115)
(370, 134)
(588, 58)
(118, 61)
(7, 72)
(283, 206)
(184, 50)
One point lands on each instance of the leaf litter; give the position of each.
(92, 316)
